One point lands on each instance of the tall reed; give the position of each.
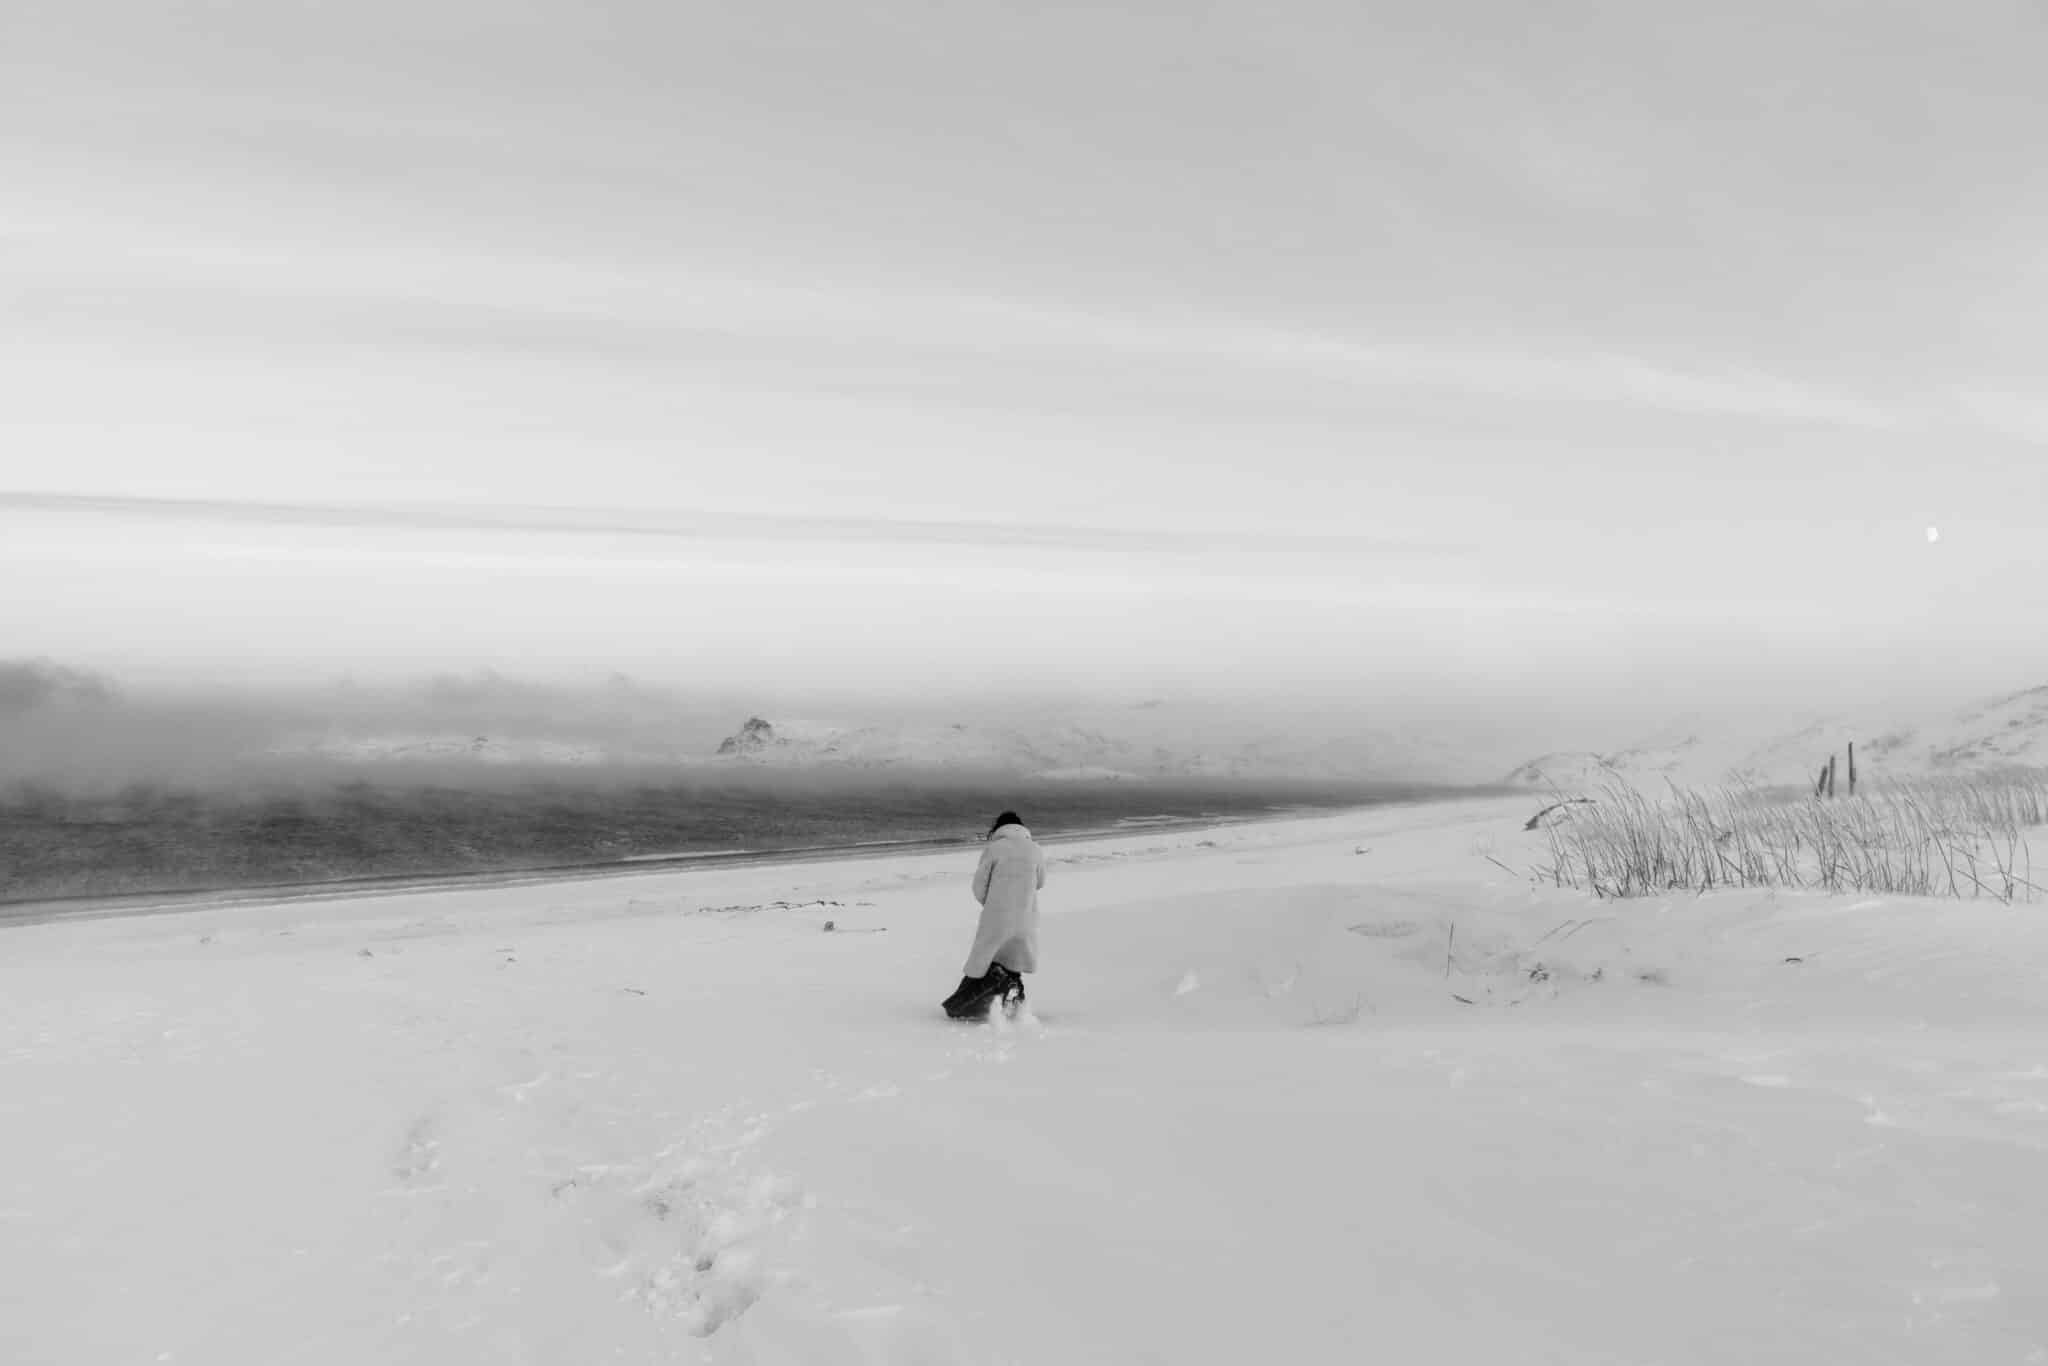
(1962, 836)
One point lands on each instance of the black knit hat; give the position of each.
(1007, 818)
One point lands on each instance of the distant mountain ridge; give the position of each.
(1060, 750)
(1139, 743)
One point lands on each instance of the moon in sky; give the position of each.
(1933, 534)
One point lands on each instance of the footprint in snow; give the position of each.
(518, 1090)
(684, 1231)
(419, 1154)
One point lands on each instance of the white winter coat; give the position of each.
(1006, 883)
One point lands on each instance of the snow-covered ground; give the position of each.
(672, 1119)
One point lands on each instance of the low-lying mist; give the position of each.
(77, 731)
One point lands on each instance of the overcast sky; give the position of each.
(1567, 348)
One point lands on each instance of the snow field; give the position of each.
(1332, 1087)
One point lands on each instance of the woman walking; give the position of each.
(1006, 883)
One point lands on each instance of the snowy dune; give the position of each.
(671, 1119)
(2008, 730)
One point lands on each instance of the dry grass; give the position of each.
(1949, 837)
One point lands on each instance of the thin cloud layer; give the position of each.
(1313, 342)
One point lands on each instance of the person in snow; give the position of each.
(1006, 883)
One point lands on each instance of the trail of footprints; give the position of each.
(688, 1233)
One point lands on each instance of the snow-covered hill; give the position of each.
(1056, 747)
(498, 723)
(804, 744)
(1050, 747)
(2006, 730)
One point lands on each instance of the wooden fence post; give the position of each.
(1852, 768)
(1831, 776)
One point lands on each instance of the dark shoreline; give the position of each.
(121, 905)
(91, 906)
(153, 843)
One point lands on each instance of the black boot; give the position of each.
(973, 997)
(1012, 989)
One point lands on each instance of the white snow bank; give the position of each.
(670, 1119)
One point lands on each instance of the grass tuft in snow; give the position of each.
(1962, 836)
